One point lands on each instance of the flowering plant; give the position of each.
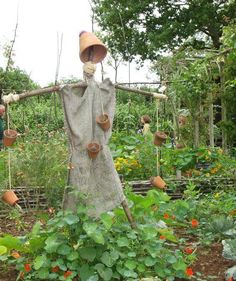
(73, 246)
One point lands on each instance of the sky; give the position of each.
(40, 22)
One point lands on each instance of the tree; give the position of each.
(144, 27)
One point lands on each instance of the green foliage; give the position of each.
(15, 80)
(38, 163)
(75, 244)
(143, 28)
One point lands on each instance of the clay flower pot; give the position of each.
(93, 149)
(158, 182)
(10, 197)
(103, 121)
(91, 48)
(159, 138)
(182, 120)
(9, 137)
(180, 145)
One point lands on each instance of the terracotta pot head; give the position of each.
(159, 138)
(91, 48)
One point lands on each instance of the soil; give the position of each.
(209, 261)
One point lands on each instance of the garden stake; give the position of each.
(128, 214)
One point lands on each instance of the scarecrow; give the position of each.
(89, 114)
(89, 109)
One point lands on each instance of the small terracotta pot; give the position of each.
(182, 120)
(159, 138)
(10, 197)
(179, 146)
(9, 137)
(103, 121)
(93, 149)
(187, 174)
(158, 182)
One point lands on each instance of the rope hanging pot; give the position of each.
(9, 196)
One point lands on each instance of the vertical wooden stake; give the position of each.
(128, 214)
(157, 127)
(211, 121)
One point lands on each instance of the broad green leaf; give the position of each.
(36, 243)
(64, 250)
(130, 273)
(36, 228)
(93, 278)
(3, 250)
(98, 237)
(87, 253)
(149, 261)
(132, 254)
(90, 228)
(130, 264)
(150, 232)
(52, 244)
(85, 272)
(73, 256)
(107, 220)
(39, 261)
(11, 242)
(179, 265)
(109, 259)
(71, 219)
(43, 273)
(141, 267)
(104, 272)
(123, 242)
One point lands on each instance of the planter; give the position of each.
(91, 48)
(180, 146)
(103, 121)
(93, 149)
(10, 197)
(187, 174)
(9, 137)
(159, 138)
(158, 182)
(182, 120)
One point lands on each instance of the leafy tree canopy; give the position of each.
(144, 27)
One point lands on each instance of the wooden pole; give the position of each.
(49, 90)
(128, 214)
(211, 122)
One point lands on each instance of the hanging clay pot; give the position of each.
(93, 149)
(103, 121)
(182, 120)
(159, 138)
(179, 146)
(91, 48)
(9, 137)
(187, 174)
(158, 182)
(10, 197)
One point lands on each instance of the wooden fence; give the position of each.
(31, 198)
